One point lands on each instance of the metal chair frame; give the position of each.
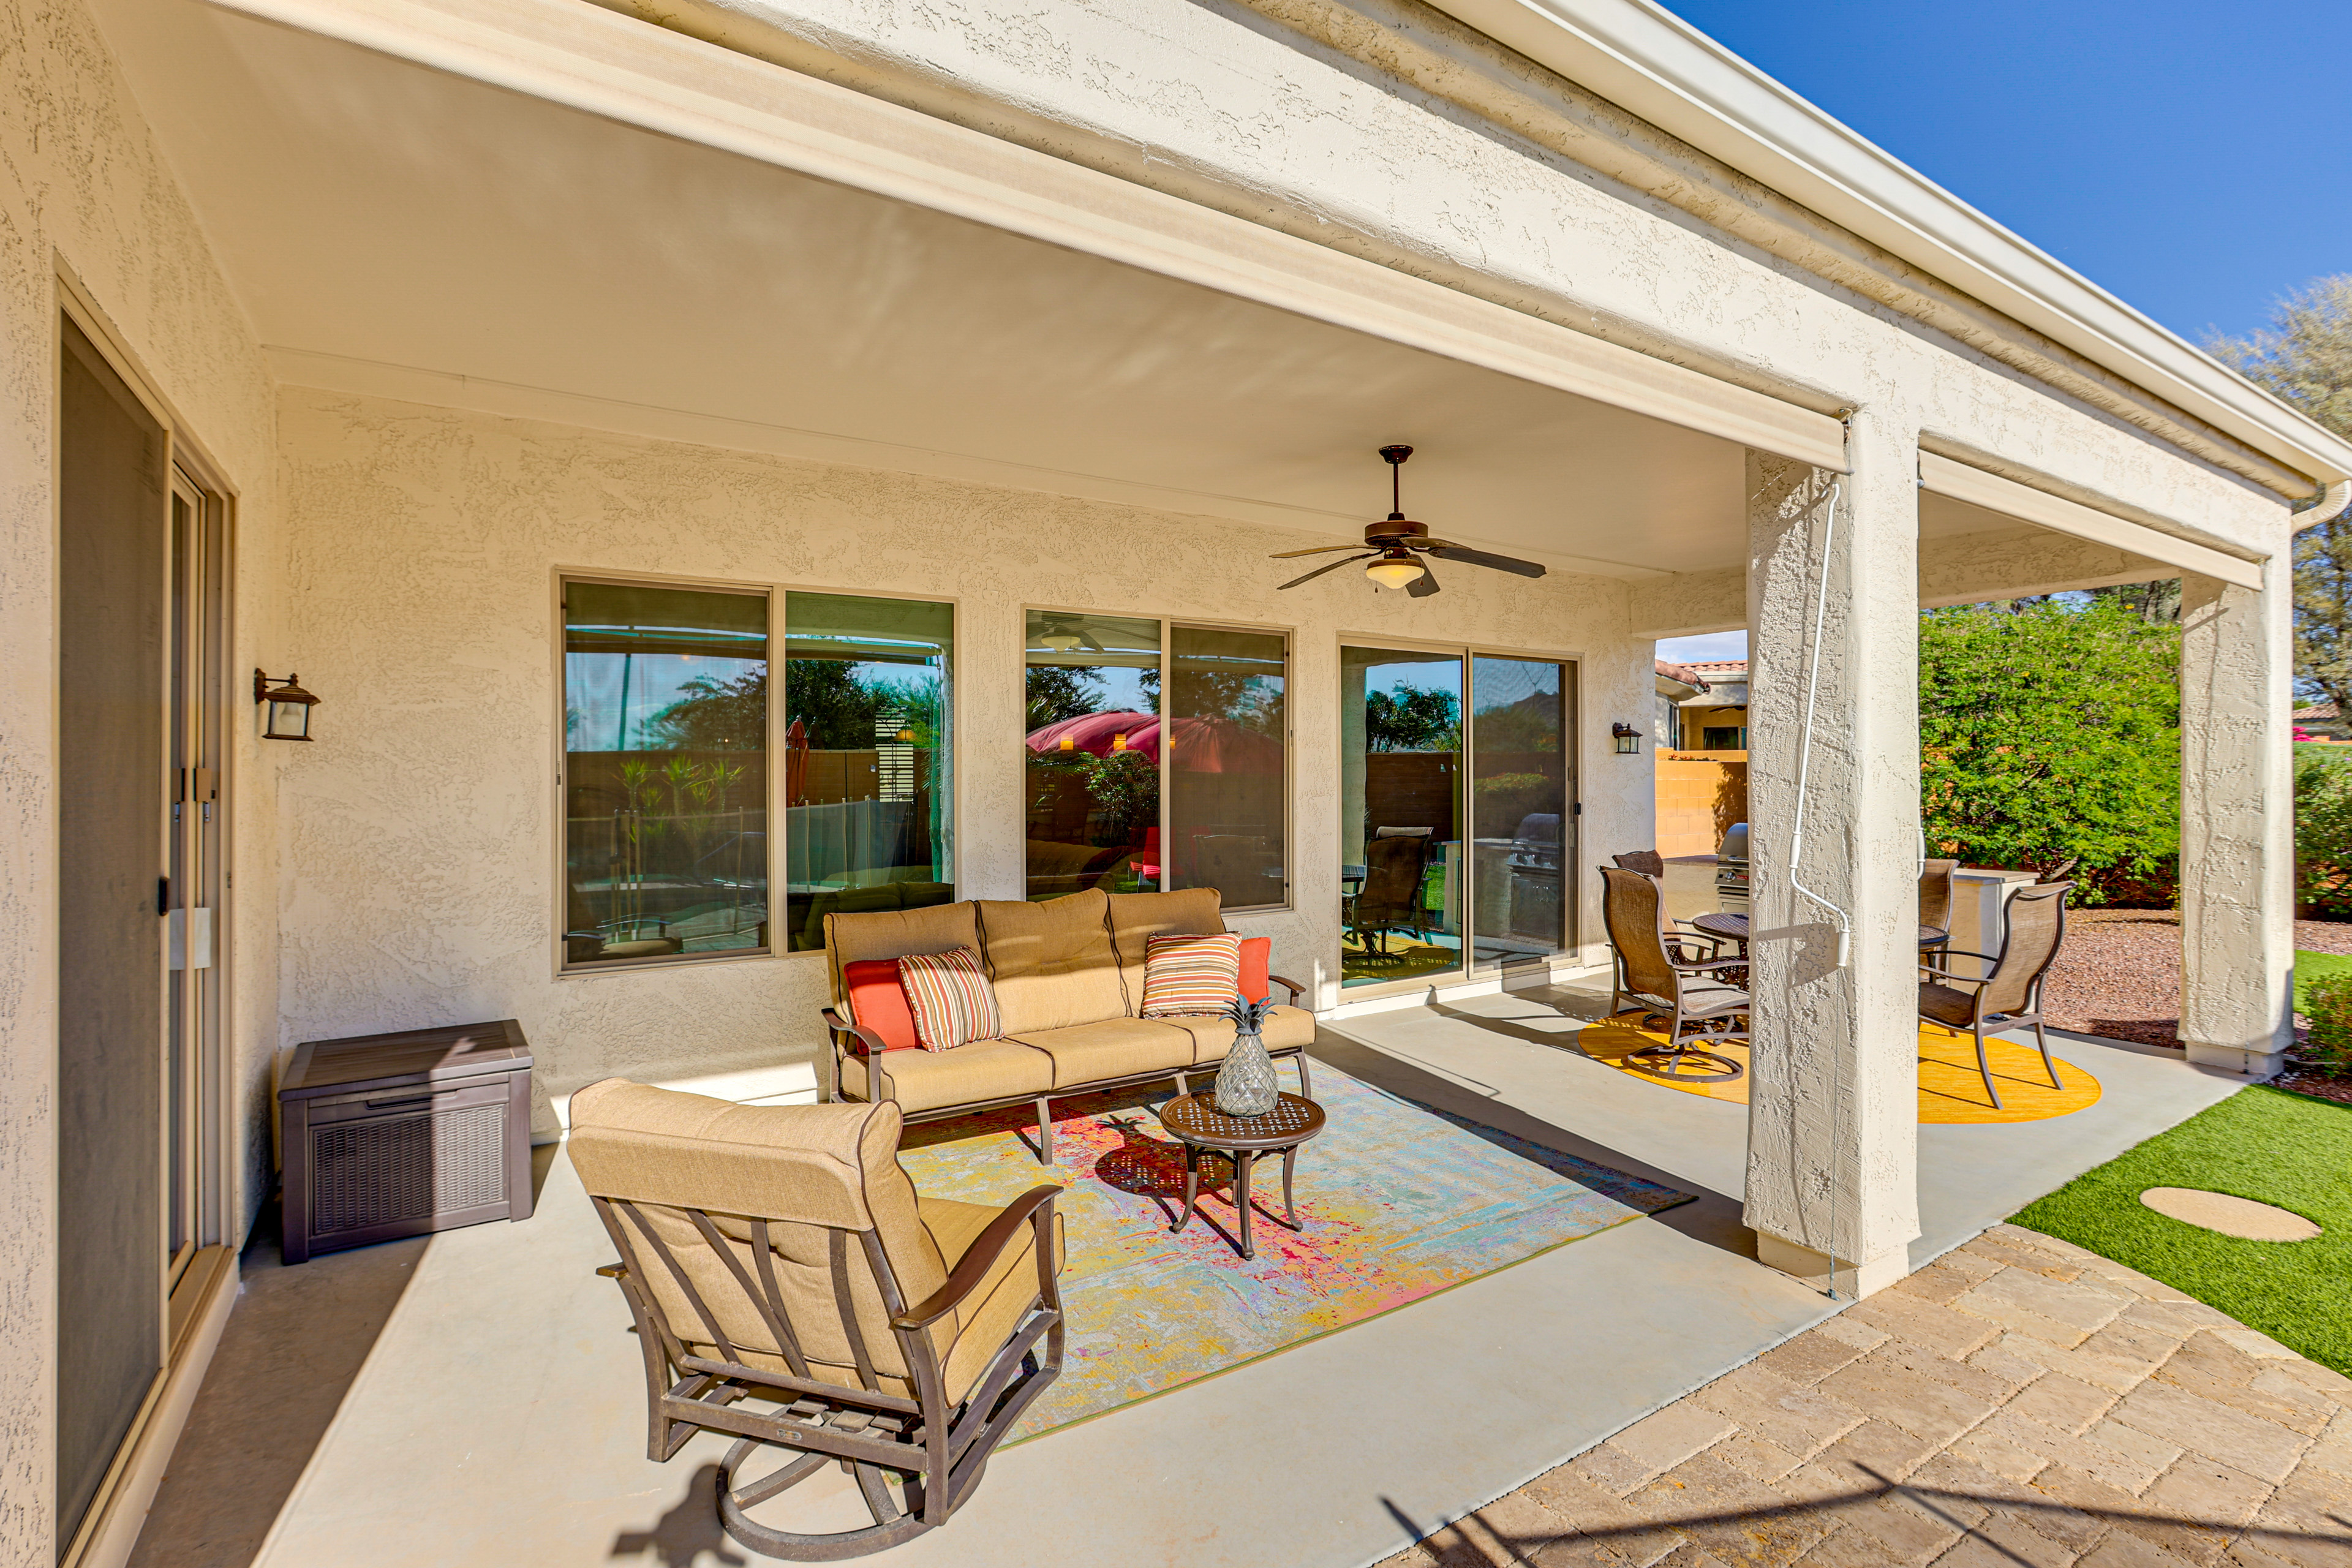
(1935, 964)
(938, 1450)
(1722, 1021)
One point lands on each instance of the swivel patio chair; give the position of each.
(2009, 996)
(1656, 972)
(779, 1256)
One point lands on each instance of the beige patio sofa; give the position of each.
(1068, 977)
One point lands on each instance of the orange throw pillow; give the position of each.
(1258, 958)
(878, 1002)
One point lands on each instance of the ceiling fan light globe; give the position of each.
(1394, 574)
(1061, 642)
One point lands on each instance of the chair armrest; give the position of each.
(1680, 968)
(1932, 967)
(862, 1042)
(1296, 989)
(1966, 953)
(1034, 1206)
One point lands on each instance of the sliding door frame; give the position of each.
(192, 1301)
(1575, 748)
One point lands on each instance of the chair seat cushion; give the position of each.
(1947, 1005)
(1213, 1037)
(1112, 1047)
(926, 1080)
(994, 1309)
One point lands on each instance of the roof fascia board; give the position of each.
(1639, 56)
(1996, 493)
(622, 70)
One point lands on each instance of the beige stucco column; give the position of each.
(1833, 1119)
(2237, 821)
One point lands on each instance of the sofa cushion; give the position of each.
(1137, 918)
(893, 934)
(1213, 1037)
(1111, 1048)
(926, 1080)
(1052, 963)
(995, 1308)
(878, 1002)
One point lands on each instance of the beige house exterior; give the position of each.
(444, 303)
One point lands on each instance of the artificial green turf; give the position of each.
(2310, 967)
(2262, 1143)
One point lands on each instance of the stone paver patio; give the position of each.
(2020, 1402)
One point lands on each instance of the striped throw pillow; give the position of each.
(950, 997)
(1190, 975)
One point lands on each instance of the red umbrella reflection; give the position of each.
(1203, 745)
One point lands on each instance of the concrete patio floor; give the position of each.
(475, 1398)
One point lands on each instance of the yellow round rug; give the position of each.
(1949, 1088)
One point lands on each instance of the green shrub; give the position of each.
(2323, 827)
(2328, 1003)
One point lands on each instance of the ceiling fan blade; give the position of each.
(1327, 566)
(1422, 586)
(1086, 641)
(1480, 558)
(1318, 550)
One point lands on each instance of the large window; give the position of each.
(666, 772)
(1156, 757)
(869, 790)
(1445, 869)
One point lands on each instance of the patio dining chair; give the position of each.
(1390, 898)
(1648, 862)
(790, 1288)
(1935, 898)
(2009, 996)
(1656, 972)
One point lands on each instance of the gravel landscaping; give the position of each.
(2120, 976)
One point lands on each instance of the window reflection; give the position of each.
(1225, 769)
(1401, 781)
(1520, 813)
(868, 790)
(664, 721)
(1092, 772)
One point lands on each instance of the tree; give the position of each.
(1412, 720)
(2052, 732)
(1059, 691)
(2305, 357)
(716, 715)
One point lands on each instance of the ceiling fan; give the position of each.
(1393, 546)
(1065, 633)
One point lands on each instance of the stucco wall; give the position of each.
(418, 865)
(82, 185)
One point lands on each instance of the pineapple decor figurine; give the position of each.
(1246, 1084)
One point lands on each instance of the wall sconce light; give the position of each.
(289, 707)
(1629, 739)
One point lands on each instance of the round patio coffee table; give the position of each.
(1196, 1124)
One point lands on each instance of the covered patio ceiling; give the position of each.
(394, 228)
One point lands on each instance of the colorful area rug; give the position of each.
(1950, 1091)
(1398, 1201)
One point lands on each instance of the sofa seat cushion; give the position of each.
(1052, 963)
(995, 1308)
(1111, 1048)
(1213, 1037)
(926, 1080)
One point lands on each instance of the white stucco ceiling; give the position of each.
(375, 214)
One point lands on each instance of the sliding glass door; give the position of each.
(1457, 838)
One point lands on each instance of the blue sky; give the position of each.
(2190, 158)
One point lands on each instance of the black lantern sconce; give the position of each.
(289, 707)
(1629, 739)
